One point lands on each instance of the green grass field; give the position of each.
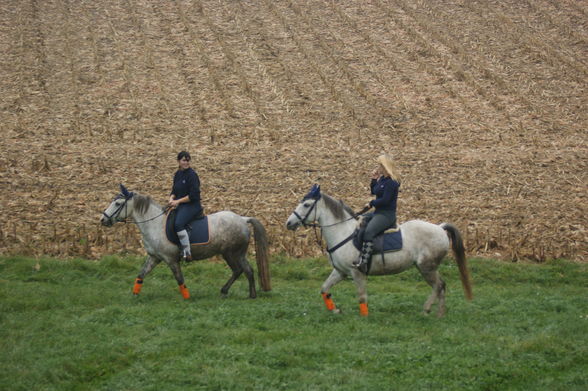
(74, 325)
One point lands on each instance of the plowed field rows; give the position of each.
(483, 104)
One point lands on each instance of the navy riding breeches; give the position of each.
(185, 213)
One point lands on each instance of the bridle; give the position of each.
(303, 219)
(117, 211)
(315, 225)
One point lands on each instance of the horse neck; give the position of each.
(149, 222)
(335, 229)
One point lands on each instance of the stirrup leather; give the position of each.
(366, 254)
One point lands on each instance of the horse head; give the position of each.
(119, 209)
(302, 213)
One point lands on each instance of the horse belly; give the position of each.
(391, 263)
(204, 251)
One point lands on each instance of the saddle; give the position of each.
(388, 241)
(198, 230)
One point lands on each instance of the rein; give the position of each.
(153, 218)
(350, 237)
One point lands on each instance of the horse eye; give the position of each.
(306, 204)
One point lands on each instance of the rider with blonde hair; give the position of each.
(385, 185)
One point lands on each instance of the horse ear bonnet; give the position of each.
(314, 193)
(123, 190)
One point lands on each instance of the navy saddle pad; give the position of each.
(197, 230)
(390, 240)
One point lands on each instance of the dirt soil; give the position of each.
(482, 103)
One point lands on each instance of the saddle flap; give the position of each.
(389, 240)
(198, 230)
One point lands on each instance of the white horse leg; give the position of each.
(433, 278)
(360, 280)
(149, 264)
(246, 267)
(239, 265)
(174, 265)
(237, 271)
(333, 279)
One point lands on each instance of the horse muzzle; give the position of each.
(107, 222)
(293, 223)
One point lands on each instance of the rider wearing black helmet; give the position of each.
(185, 198)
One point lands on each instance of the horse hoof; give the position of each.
(337, 311)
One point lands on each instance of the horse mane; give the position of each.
(142, 203)
(337, 207)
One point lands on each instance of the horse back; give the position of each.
(422, 242)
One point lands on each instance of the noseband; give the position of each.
(303, 219)
(119, 209)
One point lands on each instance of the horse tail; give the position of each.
(261, 253)
(459, 252)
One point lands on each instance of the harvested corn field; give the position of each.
(482, 103)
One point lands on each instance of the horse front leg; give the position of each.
(149, 264)
(360, 280)
(333, 279)
(174, 265)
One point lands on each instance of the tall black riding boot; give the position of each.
(364, 257)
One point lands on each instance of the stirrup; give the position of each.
(186, 256)
(363, 267)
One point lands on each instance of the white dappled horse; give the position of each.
(229, 237)
(424, 246)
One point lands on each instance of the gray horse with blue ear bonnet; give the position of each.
(229, 237)
(424, 245)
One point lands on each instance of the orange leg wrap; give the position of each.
(184, 291)
(328, 301)
(363, 309)
(137, 287)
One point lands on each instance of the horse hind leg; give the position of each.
(237, 271)
(239, 265)
(249, 274)
(437, 284)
